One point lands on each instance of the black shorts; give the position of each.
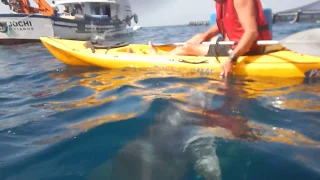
(218, 50)
(222, 50)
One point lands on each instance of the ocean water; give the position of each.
(66, 122)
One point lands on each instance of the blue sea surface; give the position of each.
(67, 122)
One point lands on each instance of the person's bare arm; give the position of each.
(211, 32)
(247, 16)
(206, 36)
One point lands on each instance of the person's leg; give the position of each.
(195, 39)
(190, 49)
(186, 50)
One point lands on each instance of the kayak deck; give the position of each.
(277, 64)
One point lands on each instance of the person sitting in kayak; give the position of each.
(242, 21)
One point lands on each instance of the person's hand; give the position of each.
(226, 68)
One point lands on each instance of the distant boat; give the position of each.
(24, 28)
(26, 23)
(81, 20)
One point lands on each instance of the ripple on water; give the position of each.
(121, 91)
(105, 139)
(61, 121)
(162, 82)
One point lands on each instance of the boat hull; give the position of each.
(24, 28)
(276, 64)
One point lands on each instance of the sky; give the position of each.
(174, 12)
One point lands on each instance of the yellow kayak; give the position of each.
(282, 63)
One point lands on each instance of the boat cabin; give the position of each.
(116, 9)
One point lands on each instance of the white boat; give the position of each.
(83, 19)
(19, 28)
(95, 18)
(25, 23)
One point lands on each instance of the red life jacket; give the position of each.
(229, 23)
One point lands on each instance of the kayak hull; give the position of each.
(275, 64)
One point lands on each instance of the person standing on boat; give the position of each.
(242, 21)
(55, 8)
(78, 8)
(5, 2)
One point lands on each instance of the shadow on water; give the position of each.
(138, 124)
(182, 141)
